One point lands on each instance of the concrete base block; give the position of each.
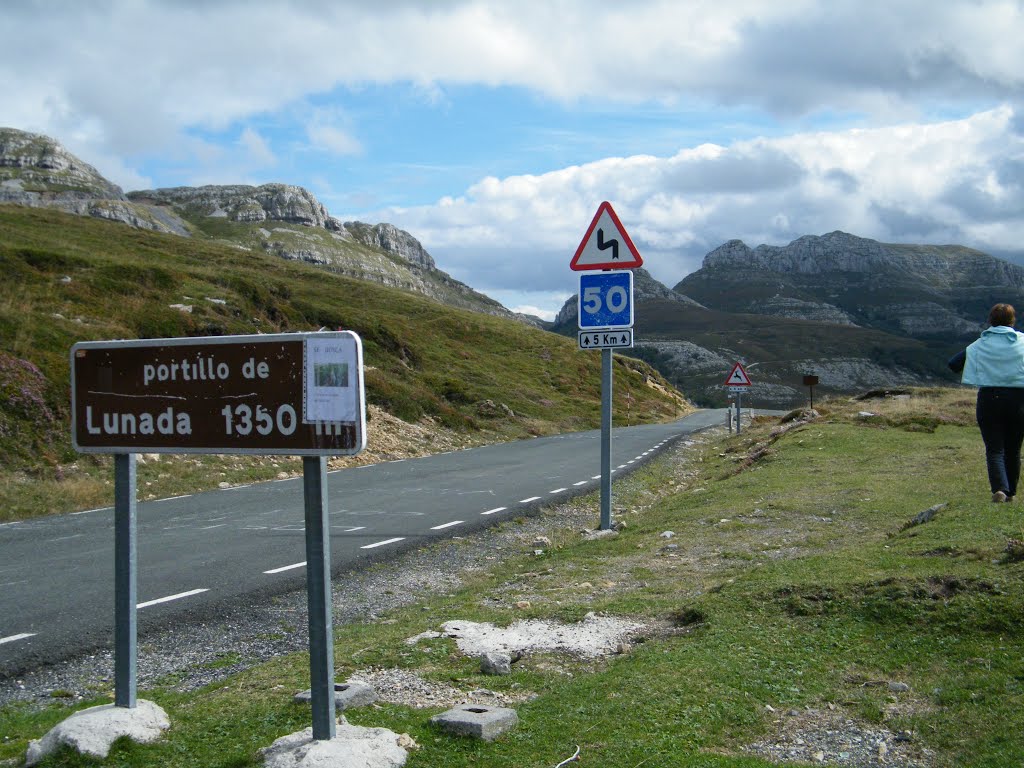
(92, 731)
(346, 695)
(478, 720)
(352, 747)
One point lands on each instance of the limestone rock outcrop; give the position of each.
(37, 171)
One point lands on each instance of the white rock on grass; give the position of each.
(92, 731)
(352, 747)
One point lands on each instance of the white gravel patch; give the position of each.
(592, 637)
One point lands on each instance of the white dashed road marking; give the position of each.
(283, 568)
(492, 511)
(558, 490)
(382, 543)
(446, 525)
(527, 501)
(169, 598)
(16, 638)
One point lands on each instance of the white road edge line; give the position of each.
(527, 501)
(15, 638)
(447, 525)
(87, 511)
(558, 490)
(382, 543)
(581, 482)
(174, 498)
(291, 567)
(492, 511)
(169, 598)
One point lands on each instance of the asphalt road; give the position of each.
(200, 554)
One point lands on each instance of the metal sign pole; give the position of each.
(318, 591)
(125, 582)
(606, 439)
(739, 411)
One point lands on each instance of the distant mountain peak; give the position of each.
(34, 167)
(810, 254)
(244, 203)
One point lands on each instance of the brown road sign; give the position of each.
(291, 394)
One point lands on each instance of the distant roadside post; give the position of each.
(737, 381)
(811, 381)
(296, 394)
(605, 316)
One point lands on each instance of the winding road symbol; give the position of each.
(605, 234)
(603, 245)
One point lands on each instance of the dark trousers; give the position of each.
(1000, 415)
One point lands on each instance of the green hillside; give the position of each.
(68, 278)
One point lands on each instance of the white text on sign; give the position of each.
(606, 300)
(606, 339)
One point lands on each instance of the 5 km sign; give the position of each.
(606, 300)
(292, 394)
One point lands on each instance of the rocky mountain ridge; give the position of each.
(856, 312)
(920, 291)
(282, 219)
(940, 266)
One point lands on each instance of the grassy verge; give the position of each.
(797, 593)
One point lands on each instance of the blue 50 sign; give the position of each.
(606, 300)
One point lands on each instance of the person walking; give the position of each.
(995, 364)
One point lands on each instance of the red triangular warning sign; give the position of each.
(606, 244)
(737, 377)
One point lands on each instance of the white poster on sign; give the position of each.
(331, 391)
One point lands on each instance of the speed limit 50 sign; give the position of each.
(606, 300)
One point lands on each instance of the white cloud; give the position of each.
(330, 131)
(210, 64)
(955, 181)
(256, 148)
(529, 309)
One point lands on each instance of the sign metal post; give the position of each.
(605, 316)
(126, 566)
(606, 439)
(810, 381)
(318, 595)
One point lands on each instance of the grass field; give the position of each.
(797, 595)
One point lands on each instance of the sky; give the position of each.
(492, 131)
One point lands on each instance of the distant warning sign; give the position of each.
(737, 377)
(606, 245)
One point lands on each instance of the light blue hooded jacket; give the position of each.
(996, 359)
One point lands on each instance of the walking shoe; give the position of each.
(999, 496)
